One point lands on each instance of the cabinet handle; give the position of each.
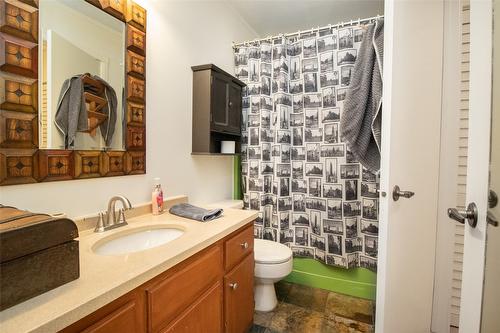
(244, 245)
(230, 104)
(233, 286)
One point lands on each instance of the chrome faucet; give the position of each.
(113, 220)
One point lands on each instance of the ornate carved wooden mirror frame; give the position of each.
(21, 161)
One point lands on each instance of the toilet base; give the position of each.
(265, 297)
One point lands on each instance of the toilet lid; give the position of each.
(268, 252)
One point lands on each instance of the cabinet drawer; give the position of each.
(238, 297)
(203, 316)
(238, 246)
(172, 295)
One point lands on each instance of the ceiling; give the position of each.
(271, 17)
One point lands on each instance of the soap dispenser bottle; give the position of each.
(157, 198)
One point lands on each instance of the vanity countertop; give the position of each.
(105, 278)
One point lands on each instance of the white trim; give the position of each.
(384, 164)
(450, 123)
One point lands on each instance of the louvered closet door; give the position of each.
(463, 139)
(482, 240)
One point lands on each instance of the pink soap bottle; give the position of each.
(157, 198)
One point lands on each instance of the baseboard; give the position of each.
(357, 282)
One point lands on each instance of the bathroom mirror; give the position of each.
(490, 321)
(72, 90)
(82, 47)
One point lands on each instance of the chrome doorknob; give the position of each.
(233, 286)
(469, 215)
(492, 199)
(397, 193)
(491, 219)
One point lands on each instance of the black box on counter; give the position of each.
(37, 253)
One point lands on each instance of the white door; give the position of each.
(480, 313)
(413, 62)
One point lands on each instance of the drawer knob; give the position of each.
(244, 245)
(233, 286)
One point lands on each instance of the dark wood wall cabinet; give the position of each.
(210, 292)
(217, 110)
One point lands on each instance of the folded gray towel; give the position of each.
(195, 213)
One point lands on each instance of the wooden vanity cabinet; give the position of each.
(211, 291)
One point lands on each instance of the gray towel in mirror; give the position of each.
(195, 213)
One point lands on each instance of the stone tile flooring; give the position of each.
(303, 309)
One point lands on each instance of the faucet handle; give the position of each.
(121, 216)
(99, 227)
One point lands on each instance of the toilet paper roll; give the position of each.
(228, 147)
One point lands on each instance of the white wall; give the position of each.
(180, 34)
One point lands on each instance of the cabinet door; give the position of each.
(124, 315)
(121, 320)
(184, 287)
(238, 297)
(205, 315)
(234, 108)
(220, 100)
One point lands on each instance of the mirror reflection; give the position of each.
(82, 57)
(490, 321)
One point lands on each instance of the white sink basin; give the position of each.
(136, 240)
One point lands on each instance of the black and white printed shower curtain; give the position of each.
(311, 192)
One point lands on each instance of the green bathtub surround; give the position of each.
(237, 195)
(358, 282)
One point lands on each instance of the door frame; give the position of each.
(450, 125)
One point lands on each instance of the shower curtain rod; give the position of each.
(329, 26)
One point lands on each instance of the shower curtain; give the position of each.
(311, 192)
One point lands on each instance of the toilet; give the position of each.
(273, 262)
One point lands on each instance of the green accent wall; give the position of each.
(237, 195)
(358, 282)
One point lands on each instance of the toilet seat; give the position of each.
(269, 252)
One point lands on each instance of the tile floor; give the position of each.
(304, 309)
